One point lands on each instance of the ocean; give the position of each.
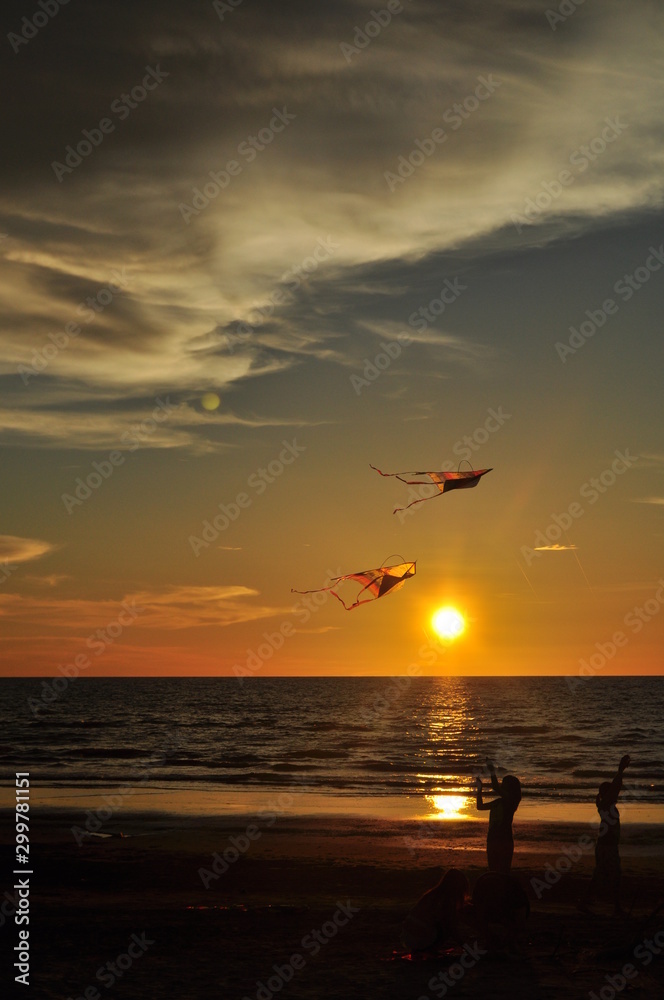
(362, 736)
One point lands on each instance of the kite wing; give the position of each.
(378, 582)
(445, 481)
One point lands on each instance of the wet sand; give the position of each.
(194, 907)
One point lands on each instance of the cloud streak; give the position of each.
(168, 608)
(186, 285)
(555, 548)
(19, 550)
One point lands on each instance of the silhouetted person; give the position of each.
(607, 852)
(499, 840)
(435, 916)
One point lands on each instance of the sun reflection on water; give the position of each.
(449, 806)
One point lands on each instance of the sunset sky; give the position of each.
(407, 222)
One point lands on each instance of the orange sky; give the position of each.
(480, 307)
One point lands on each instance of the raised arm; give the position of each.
(616, 784)
(480, 804)
(494, 780)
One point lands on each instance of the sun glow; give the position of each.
(448, 623)
(449, 806)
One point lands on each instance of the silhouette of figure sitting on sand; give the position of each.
(607, 872)
(499, 840)
(435, 917)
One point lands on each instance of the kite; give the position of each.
(443, 480)
(379, 582)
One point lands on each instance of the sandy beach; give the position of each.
(311, 907)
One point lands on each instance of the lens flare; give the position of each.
(210, 401)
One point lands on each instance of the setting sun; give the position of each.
(448, 623)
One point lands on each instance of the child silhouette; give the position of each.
(607, 872)
(500, 840)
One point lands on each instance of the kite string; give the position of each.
(394, 555)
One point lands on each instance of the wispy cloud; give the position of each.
(319, 631)
(126, 428)
(188, 284)
(555, 548)
(169, 608)
(14, 549)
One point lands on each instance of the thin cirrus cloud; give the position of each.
(461, 350)
(168, 608)
(126, 429)
(119, 211)
(14, 549)
(318, 631)
(555, 548)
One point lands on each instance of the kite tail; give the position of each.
(341, 601)
(334, 594)
(316, 590)
(351, 607)
(400, 475)
(421, 500)
(358, 602)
